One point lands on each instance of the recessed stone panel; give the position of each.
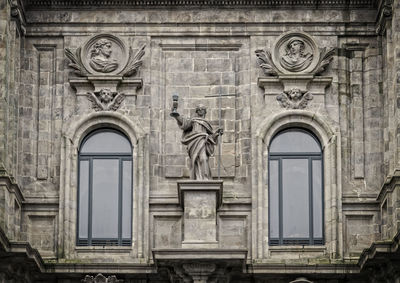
(167, 232)
(233, 231)
(42, 233)
(359, 234)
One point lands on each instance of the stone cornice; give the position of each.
(389, 185)
(11, 185)
(137, 4)
(379, 250)
(24, 249)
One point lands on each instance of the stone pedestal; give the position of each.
(200, 201)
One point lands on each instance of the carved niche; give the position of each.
(293, 69)
(103, 69)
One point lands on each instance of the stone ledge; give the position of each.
(199, 254)
(37, 4)
(12, 187)
(390, 183)
(110, 267)
(308, 268)
(201, 186)
(104, 249)
(380, 250)
(297, 249)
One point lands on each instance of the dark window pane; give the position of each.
(294, 141)
(317, 198)
(106, 142)
(105, 198)
(83, 198)
(295, 193)
(126, 199)
(274, 198)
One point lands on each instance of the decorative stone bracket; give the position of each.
(114, 83)
(200, 265)
(285, 88)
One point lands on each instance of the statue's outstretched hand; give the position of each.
(219, 132)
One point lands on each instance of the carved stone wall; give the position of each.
(68, 68)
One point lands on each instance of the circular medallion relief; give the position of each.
(295, 52)
(104, 54)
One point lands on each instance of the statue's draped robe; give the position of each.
(296, 64)
(103, 65)
(198, 137)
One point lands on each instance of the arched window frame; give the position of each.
(310, 157)
(73, 133)
(90, 156)
(328, 133)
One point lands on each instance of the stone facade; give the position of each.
(71, 67)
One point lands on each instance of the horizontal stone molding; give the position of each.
(200, 186)
(84, 85)
(23, 249)
(12, 188)
(37, 4)
(161, 256)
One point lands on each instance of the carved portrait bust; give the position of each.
(100, 57)
(296, 58)
(294, 52)
(104, 54)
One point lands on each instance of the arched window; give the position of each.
(295, 189)
(105, 189)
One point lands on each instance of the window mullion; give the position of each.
(280, 202)
(311, 203)
(120, 201)
(90, 201)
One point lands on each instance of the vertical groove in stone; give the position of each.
(357, 109)
(46, 81)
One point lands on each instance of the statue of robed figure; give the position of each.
(200, 140)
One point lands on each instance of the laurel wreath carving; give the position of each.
(325, 58)
(134, 62)
(76, 61)
(131, 69)
(264, 59)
